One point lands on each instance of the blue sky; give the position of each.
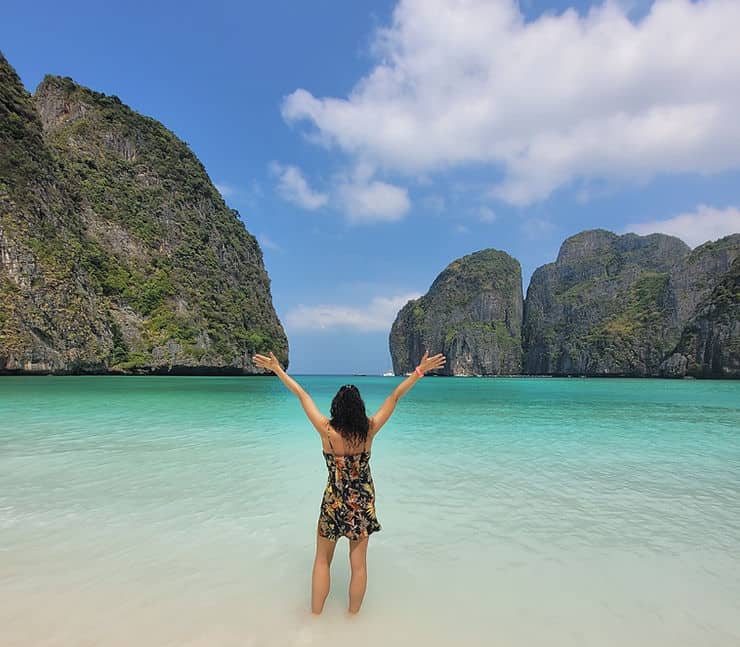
(367, 145)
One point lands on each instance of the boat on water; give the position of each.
(388, 374)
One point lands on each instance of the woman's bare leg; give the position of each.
(321, 580)
(358, 579)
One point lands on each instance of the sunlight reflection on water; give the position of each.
(183, 511)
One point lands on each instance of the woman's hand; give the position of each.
(270, 363)
(430, 363)
(314, 415)
(426, 364)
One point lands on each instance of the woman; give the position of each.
(348, 506)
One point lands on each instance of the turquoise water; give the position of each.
(515, 511)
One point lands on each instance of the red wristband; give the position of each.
(419, 372)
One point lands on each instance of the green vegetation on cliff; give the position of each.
(472, 312)
(609, 305)
(639, 313)
(710, 342)
(602, 307)
(120, 253)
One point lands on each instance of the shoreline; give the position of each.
(236, 373)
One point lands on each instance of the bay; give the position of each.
(515, 511)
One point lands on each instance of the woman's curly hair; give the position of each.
(348, 415)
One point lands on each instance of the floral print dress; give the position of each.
(348, 506)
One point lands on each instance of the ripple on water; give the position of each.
(514, 512)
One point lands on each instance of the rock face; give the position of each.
(472, 313)
(617, 305)
(117, 254)
(696, 275)
(603, 306)
(710, 341)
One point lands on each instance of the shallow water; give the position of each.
(515, 511)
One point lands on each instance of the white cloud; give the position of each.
(462, 229)
(268, 243)
(695, 227)
(536, 228)
(369, 201)
(225, 190)
(292, 186)
(557, 99)
(486, 214)
(434, 203)
(378, 315)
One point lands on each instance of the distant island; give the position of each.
(610, 305)
(117, 253)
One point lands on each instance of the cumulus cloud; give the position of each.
(695, 227)
(370, 201)
(292, 186)
(542, 103)
(377, 316)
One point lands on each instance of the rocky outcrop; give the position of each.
(604, 306)
(472, 313)
(610, 305)
(618, 305)
(696, 274)
(117, 254)
(710, 342)
(601, 308)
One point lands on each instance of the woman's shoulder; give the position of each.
(347, 445)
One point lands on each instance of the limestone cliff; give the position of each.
(618, 305)
(610, 305)
(696, 274)
(117, 254)
(604, 306)
(710, 342)
(472, 313)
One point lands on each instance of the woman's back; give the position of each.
(348, 505)
(334, 443)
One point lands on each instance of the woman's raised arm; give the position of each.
(386, 409)
(318, 420)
